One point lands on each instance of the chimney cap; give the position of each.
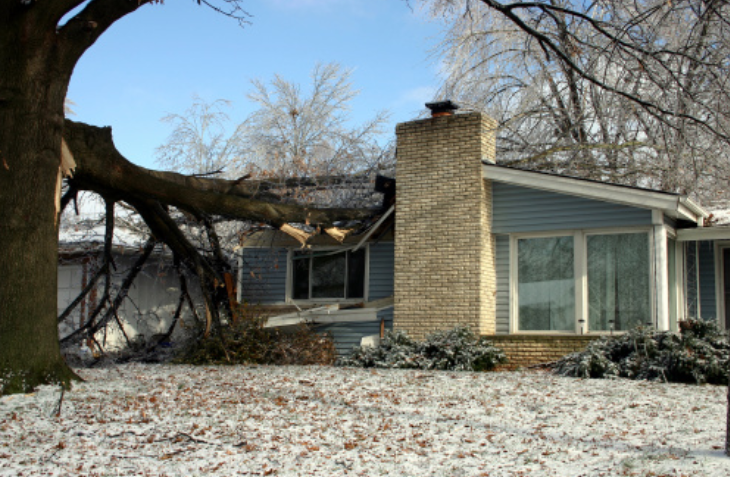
(442, 108)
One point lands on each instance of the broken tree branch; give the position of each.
(100, 167)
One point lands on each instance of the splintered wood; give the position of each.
(300, 235)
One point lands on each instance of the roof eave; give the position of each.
(674, 205)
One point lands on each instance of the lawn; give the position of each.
(164, 420)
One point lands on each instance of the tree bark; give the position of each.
(32, 93)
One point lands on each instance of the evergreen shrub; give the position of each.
(457, 349)
(699, 353)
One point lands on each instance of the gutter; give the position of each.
(693, 207)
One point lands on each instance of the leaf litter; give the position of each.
(173, 420)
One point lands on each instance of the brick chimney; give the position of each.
(444, 249)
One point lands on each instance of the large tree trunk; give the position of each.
(32, 95)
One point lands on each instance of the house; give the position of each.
(542, 263)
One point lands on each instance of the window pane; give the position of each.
(328, 276)
(356, 274)
(300, 285)
(618, 281)
(546, 284)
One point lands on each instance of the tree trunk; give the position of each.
(32, 93)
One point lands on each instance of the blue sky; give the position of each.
(155, 60)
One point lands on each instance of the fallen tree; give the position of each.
(102, 169)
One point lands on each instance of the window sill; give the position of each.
(327, 301)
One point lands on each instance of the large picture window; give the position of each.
(589, 282)
(328, 275)
(618, 281)
(546, 284)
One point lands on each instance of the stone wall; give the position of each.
(525, 351)
(444, 251)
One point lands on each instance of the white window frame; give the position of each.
(580, 275)
(325, 301)
(679, 280)
(720, 304)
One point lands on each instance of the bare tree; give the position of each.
(632, 92)
(296, 133)
(200, 143)
(297, 136)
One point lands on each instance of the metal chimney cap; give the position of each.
(442, 108)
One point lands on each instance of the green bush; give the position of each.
(246, 341)
(699, 353)
(458, 349)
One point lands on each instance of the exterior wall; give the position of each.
(522, 209)
(444, 251)
(525, 351)
(503, 277)
(70, 284)
(708, 295)
(380, 284)
(262, 276)
(380, 280)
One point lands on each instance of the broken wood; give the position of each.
(338, 234)
(300, 235)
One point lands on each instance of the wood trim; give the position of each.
(661, 274)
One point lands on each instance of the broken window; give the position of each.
(328, 275)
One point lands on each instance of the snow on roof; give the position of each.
(720, 214)
(85, 231)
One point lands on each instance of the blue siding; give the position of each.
(348, 335)
(522, 209)
(502, 272)
(708, 303)
(382, 259)
(262, 277)
(380, 284)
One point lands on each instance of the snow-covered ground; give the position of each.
(163, 420)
